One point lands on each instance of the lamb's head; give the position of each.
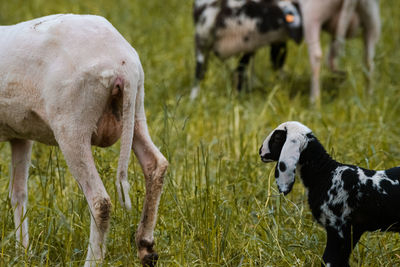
(284, 145)
(292, 18)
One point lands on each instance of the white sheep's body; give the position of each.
(74, 81)
(342, 19)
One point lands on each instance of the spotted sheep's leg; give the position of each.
(201, 68)
(21, 158)
(241, 68)
(278, 54)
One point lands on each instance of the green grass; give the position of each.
(220, 205)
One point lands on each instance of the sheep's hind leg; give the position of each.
(21, 158)
(372, 25)
(79, 158)
(154, 166)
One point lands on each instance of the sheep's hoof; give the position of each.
(147, 254)
(150, 260)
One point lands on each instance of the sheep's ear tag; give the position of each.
(289, 18)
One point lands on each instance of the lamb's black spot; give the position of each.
(282, 166)
(239, 22)
(276, 173)
(333, 190)
(246, 38)
(350, 179)
(293, 141)
(327, 221)
(393, 173)
(368, 173)
(337, 209)
(310, 136)
(369, 183)
(275, 144)
(386, 185)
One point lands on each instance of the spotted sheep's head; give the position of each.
(292, 18)
(285, 145)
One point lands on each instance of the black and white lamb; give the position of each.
(232, 27)
(347, 200)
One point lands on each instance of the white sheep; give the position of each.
(74, 81)
(341, 18)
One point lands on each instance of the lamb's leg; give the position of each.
(154, 165)
(278, 54)
(201, 67)
(21, 158)
(338, 249)
(78, 155)
(372, 26)
(243, 63)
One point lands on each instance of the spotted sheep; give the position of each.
(233, 27)
(346, 200)
(74, 81)
(342, 19)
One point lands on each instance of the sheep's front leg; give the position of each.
(338, 248)
(201, 67)
(243, 63)
(278, 54)
(78, 155)
(154, 166)
(21, 158)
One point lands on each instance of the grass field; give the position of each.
(220, 205)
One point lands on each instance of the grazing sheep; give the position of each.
(232, 27)
(347, 200)
(341, 18)
(74, 81)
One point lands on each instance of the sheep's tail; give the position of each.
(128, 119)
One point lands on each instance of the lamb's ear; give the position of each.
(285, 169)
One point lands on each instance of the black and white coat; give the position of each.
(347, 200)
(232, 27)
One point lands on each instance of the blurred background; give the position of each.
(220, 205)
